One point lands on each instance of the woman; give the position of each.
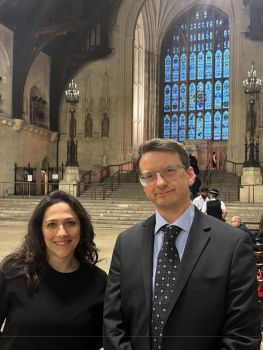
(51, 292)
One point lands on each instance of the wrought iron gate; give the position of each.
(24, 180)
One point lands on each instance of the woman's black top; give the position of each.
(65, 312)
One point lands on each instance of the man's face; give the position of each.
(235, 222)
(204, 194)
(170, 194)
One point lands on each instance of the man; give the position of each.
(237, 223)
(202, 198)
(214, 206)
(180, 280)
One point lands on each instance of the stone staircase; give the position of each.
(126, 206)
(119, 213)
(227, 183)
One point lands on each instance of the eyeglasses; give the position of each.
(168, 173)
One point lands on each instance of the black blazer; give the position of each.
(215, 304)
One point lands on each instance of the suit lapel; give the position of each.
(198, 238)
(146, 252)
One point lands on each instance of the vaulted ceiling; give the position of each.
(71, 32)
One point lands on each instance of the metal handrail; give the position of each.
(8, 188)
(251, 195)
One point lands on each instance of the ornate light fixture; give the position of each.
(251, 87)
(72, 98)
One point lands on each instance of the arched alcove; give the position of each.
(38, 107)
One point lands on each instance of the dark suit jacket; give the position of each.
(215, 304)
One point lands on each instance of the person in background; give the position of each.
(237, 222)
(180, 279)
(194, 188)
(194, 163)
(214, 161)
(51, 291)
(215, 206)
(202, 198)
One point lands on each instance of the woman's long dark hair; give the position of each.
(30, 257)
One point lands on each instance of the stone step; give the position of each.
(123, 215)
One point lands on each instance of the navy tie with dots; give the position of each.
(165, 279)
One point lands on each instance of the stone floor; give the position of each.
(12, 233)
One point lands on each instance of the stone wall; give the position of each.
(22, 143)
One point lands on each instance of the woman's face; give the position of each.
(61, 232)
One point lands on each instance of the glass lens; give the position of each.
(168, 173)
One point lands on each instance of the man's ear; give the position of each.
(191, 176)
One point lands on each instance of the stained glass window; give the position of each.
(174, 126)
(195, 77)
(208, 95)
(199, 126)
(167, 126)
(200, 96)
(175, 98)
(192, 75)
(191, 126)
(192, 97)
(183, 97)
(217, 126)
(167, 68)
(167, 99)
(182, 127)
(208, 124)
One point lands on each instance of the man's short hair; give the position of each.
(204, 189)
(161, 145)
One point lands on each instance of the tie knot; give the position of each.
(171, 231)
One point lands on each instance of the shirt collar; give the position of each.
(184, 221)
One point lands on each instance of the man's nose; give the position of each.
(159, 179)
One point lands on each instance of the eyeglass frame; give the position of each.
(144, 182)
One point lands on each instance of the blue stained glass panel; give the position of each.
(166, 126)
(182, 127)
(196, 76)
(226, 64)
(200, 96)
(167, 68)
(218, 95)
(175, 67)
(217, 126)
(208, 65)
(199, 126)
(208, 95)
(218, 64)
(183, 67)
(226, 94)
(175, 98)
(225, 126)
(200, 65)
(183, 97)
(167, 98)
(192, 74)
(174, 133)
(191, 126)
(208, 126)
(191, 96)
